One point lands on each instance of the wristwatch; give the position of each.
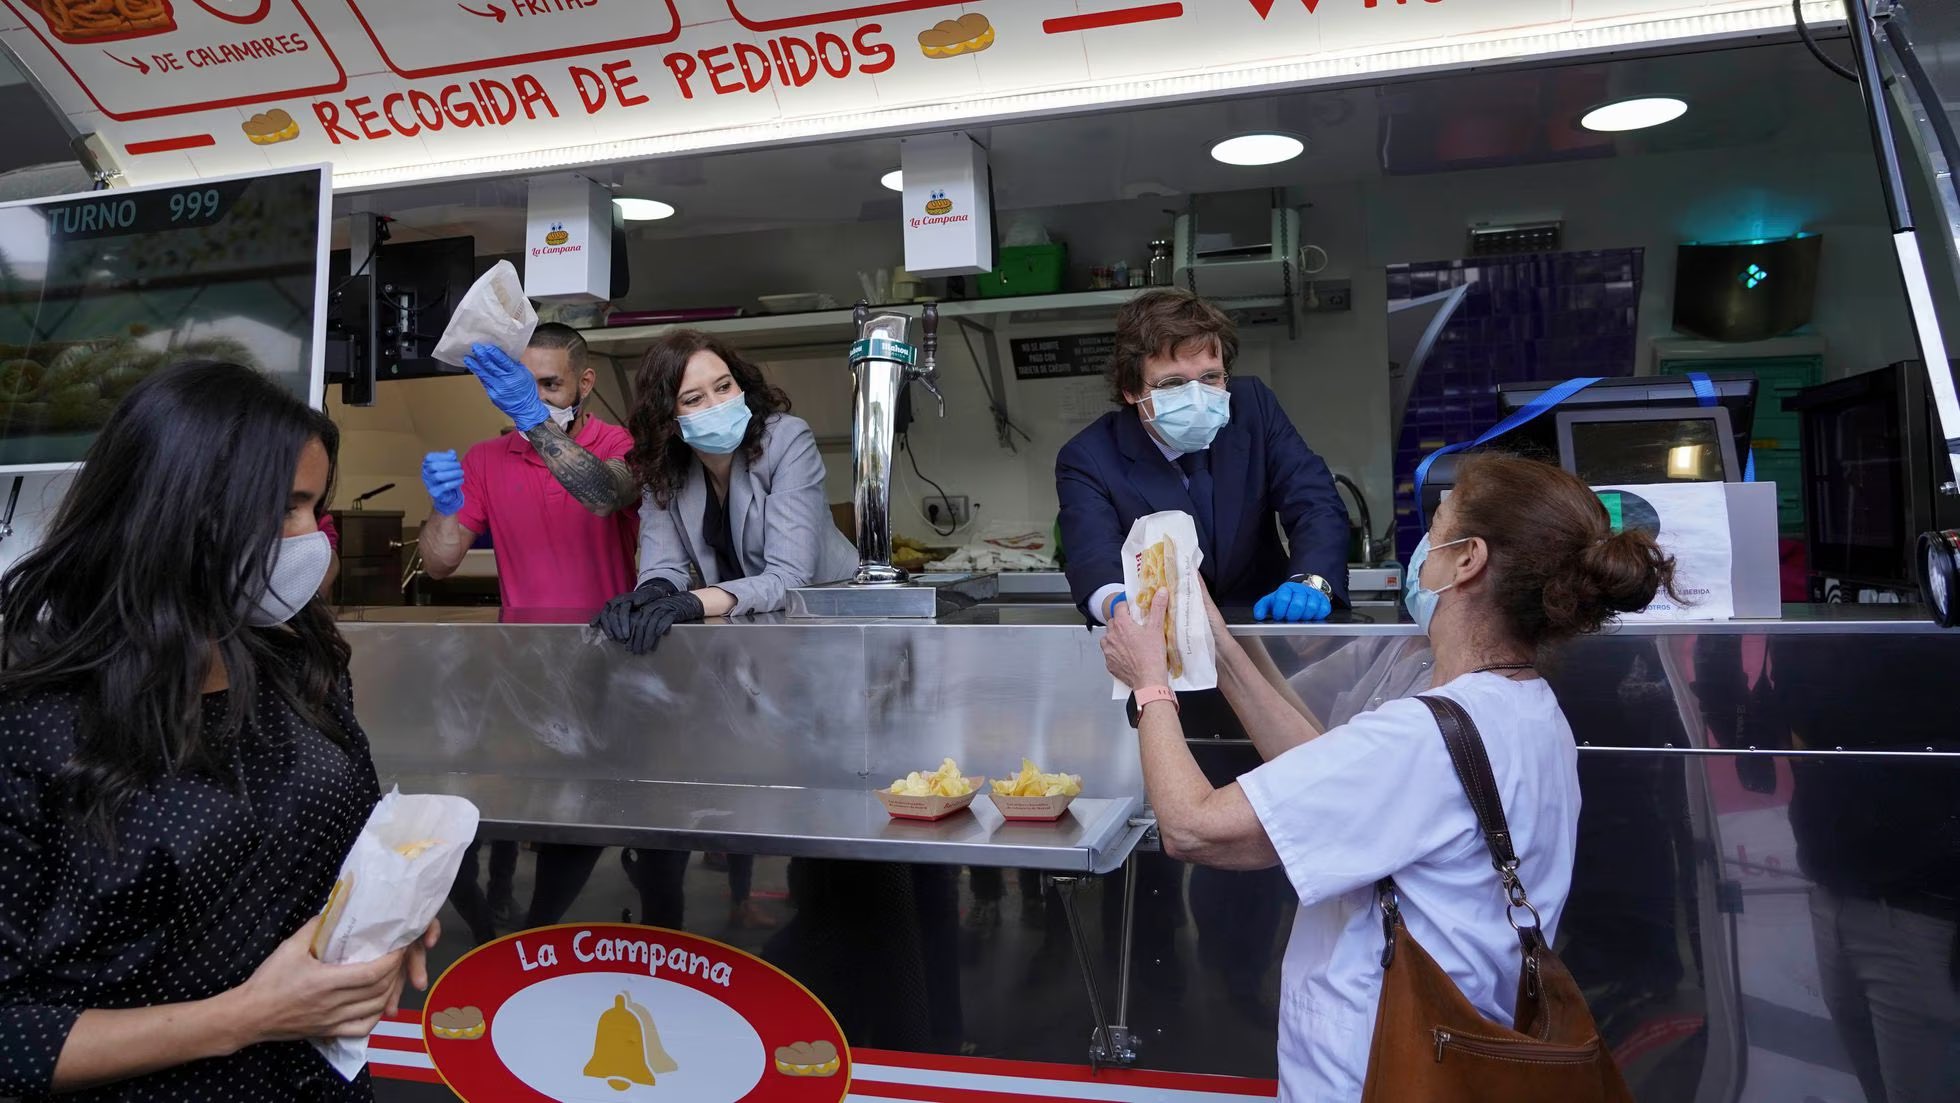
(1317, 582)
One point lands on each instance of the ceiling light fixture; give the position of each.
(1638, 114)
(895, 180)
(1258, 149)
(643, 210)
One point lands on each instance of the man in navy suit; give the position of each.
(1190, 437)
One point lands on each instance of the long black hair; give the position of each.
(159, 551)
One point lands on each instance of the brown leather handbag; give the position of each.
(1431, 1044)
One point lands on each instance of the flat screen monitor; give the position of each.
(99, 290)
(1873, 462)
(1734, 392)
(1614, 447)
(417, 285)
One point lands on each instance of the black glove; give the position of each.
(616, 619)
(641, 618)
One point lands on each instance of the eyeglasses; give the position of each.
(1209, 379)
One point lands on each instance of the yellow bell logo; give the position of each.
(626, 1047)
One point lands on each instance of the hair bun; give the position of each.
(1618, 573)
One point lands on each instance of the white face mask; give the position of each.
(563, 418)
(299, 565)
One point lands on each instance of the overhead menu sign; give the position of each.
(394, 91)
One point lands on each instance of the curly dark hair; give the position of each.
(660, 459)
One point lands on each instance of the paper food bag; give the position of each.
(493, 312)
(390, 888)
(1162, 555)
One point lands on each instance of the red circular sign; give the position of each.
(609, 1011)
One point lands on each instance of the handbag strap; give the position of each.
(1472, 762)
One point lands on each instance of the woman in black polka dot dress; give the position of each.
(181, 772)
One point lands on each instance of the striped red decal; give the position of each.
(171, 145)
(1145, 13)
(933, 1093)
(1080, 1074)
(404, 1072)
(868, 1086)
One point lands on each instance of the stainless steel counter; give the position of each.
(1093, 836)
(765, 735)
(1371, 619)
(1766, 806)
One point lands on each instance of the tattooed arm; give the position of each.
(602, 486)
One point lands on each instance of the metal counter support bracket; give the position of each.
(997, 390)
(1113, 1044)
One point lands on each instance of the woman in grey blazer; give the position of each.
(744, 531)
(730, 490)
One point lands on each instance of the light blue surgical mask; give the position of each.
(717, 430)
(1420, 602)
(1188, 418)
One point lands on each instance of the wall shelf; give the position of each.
(833, 327)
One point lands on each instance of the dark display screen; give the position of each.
(1621, 453)
(99, 291)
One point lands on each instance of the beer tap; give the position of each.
(928, 373)
(883, 364)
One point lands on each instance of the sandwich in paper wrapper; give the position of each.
(493, 312)
(390, 888)
(1162, 556)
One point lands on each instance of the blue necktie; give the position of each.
(1197, 469)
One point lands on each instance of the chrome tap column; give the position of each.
(881, 362)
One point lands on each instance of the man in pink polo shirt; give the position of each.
(552, 553)
(553, 556)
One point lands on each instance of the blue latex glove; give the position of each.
(442, 475)
(1293, 603)
(509, 384)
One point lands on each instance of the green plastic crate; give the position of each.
(1026, 270)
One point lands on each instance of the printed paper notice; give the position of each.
(1690, 521)
(1081, 401)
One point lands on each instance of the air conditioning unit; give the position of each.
(1239, 245)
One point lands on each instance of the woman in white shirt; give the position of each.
(1524, 557)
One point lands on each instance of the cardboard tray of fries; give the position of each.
(1048, 809)
(901, 807)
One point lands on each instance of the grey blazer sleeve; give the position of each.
(662, 554)
(798, 537)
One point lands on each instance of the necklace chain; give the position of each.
(1494, 667)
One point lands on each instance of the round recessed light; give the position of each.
(643, 210)
(1634, 114)
(1258, 149)
(895, 179)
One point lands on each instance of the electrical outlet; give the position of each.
(937, 509)
(1328, 296)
